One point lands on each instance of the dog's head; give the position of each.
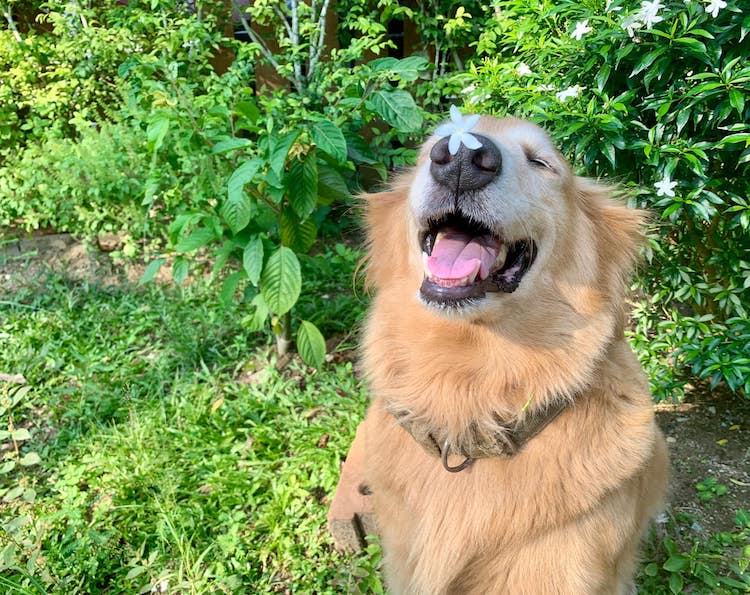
(493, 229)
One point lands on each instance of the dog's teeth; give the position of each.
(473, 276)
(502, 254)
(426, 268)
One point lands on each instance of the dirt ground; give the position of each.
(708, 434)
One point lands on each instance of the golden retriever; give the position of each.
(511, 445)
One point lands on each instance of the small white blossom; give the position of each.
(458, 130)
(581, 29)
(665, 187)
(630, 24)
(569, 92)
(649, 13)
(714, 6)
(522, 69)
(609, 7)
(468, 89)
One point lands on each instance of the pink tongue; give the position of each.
(457, 254)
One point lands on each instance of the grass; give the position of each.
(173, 456)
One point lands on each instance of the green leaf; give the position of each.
(30, 458)
(180, 270)
(676, 563)
(647, 60)
(13, 494)
(229, 287)
(408, 69)
(302, 185)
(198, 238)
(156, 132)
(329, 138)
(151, 270)
(238, 207)
(602, 76)
(252, 259)
(310, 344)
(20, 434)
(134, 572)
(230, 145)
(398, 109)
(279, 149)
(737, 100)
(675, 583)
(331, 185)
(259, 316)
(248, 110)
(298, 235)
(281, 280)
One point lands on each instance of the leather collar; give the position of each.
(497, 438)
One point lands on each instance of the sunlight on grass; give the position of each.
(159, 466)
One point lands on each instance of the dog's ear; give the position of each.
(619, 229)
(386, 218)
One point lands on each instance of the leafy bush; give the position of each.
(655, 97)
(293, 152)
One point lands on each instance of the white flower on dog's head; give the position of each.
(458, 130)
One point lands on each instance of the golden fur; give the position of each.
(566, 514)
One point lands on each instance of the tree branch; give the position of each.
(8, 14)
(295, 45)
(321, 38)
(254, 37)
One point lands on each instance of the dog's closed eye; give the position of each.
(538, 161)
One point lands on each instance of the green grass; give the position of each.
(170, 449)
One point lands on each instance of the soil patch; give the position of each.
(708, 437)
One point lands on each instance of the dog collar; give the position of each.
(501, 438)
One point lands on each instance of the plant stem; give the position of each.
(284, 335)
(8, 14)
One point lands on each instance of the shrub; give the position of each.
(655, 97)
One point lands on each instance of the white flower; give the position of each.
(665, 187)
(630, 24)
(522, 69)
(714, 6)
(649, 13)
(569, 92)
(458, 129)
(581, 29)
(609, 8)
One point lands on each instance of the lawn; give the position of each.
(173, 455)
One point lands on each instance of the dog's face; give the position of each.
(504, 235)
(488, 218)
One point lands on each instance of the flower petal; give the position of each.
(456, 116)
(445, 129)
(470, 122)
(454, 143)
(470, 141)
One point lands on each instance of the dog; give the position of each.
(511, 445)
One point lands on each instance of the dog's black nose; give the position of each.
(468, 169)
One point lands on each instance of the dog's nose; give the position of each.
(468, 169)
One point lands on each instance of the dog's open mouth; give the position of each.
(463, 260)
